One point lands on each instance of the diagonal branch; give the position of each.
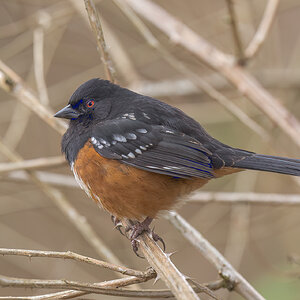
(263, 29)
(182, 35)
(235, 32)
(235, 281)
(67, 209)
(164, 268)
(13, 84)
(201, 84)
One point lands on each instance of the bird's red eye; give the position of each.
(90, 103)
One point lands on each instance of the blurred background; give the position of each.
(256, 239)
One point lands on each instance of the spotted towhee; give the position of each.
(137, 156)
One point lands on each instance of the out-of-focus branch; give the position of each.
(30, 164)
(198, 197)
(102, 48)
(74, 256)
(263, 29)
(13, 84)
(194, 78)
(270, 78)
(235, 281)
(235, 32)
(78, 221)
(251, 198)
(179, 33)
(38, 56)
(121, 59)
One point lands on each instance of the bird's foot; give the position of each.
(118, 224)
(137, 229)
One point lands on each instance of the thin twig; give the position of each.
(106, 287)
(38, 56)
(13, 84)
(251, 198)
(145, 293)
(179, 33)
(30, 164)
(121, 59)
(270, 78)
(235, 280)
(97, 29)
(74, 256)
(79, 222)
(201, 84)
(263, 29)
(235, 32)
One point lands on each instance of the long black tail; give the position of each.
(270, 163)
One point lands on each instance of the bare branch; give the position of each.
(226, 271)
(201, 84)
(102, 48)
(164, 268)
(74, 256)
(120, 292)
(44, 162)
(235, 32)
(121, 59)
(106, 287)
(79, 222)
(263, 29)
(13, 84)
(38, 56)
(251, 198)
(179, 33)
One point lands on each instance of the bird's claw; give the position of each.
(136, 230)
(118, 224)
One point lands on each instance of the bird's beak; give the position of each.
(67, 113)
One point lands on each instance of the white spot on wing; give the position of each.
(131, 116)
(146, 116)
(131, 155)
(138, 151)
(96, 143)
(143, 148)
(141, 130)
(169, 131)
(119, 138)
(131, 136)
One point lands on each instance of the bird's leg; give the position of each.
(118, 224)
(137, 229)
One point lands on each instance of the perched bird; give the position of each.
(137, 156)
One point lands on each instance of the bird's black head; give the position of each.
(90, 102)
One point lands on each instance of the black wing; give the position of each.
(153, 148)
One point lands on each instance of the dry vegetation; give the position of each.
(232, 65)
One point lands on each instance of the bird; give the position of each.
(137, 157)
